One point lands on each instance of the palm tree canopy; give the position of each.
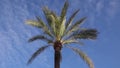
(58, 28)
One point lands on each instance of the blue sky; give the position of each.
(101, 14)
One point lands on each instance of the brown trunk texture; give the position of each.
(57, 54)
(57, 59)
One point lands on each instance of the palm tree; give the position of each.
(59, 33)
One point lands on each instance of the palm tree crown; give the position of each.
(59, 32)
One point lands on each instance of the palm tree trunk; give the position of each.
(57, 54)
(57, 59)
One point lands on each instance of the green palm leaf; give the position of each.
(64, 10)
(52, 19)
(44, 27)
(72, 41)
(68, 23)
(71, 19)
(75, 27)
(40, 24)
(34, 23)
(49, 16)
(62, 28)
(87, 34)
(41, 49)
(83, 56)
(62, 20)
(41, 37)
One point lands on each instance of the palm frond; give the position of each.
(72, 41)
(74, 34)
(83, 56)
(52, 20)
(48, 15)
(62, 28)
(78, 22)
(75, 27)
(60, 24)
(40, 24)
(87, 34)
(41, 49)
(34, 23)
(71, 19)
(64, 10)
(40, 37)
(45, 27)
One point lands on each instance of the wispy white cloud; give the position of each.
(14, 33)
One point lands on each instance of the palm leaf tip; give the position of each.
(33, 23)
(64, 9)
(36, 38)
(88, 34)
